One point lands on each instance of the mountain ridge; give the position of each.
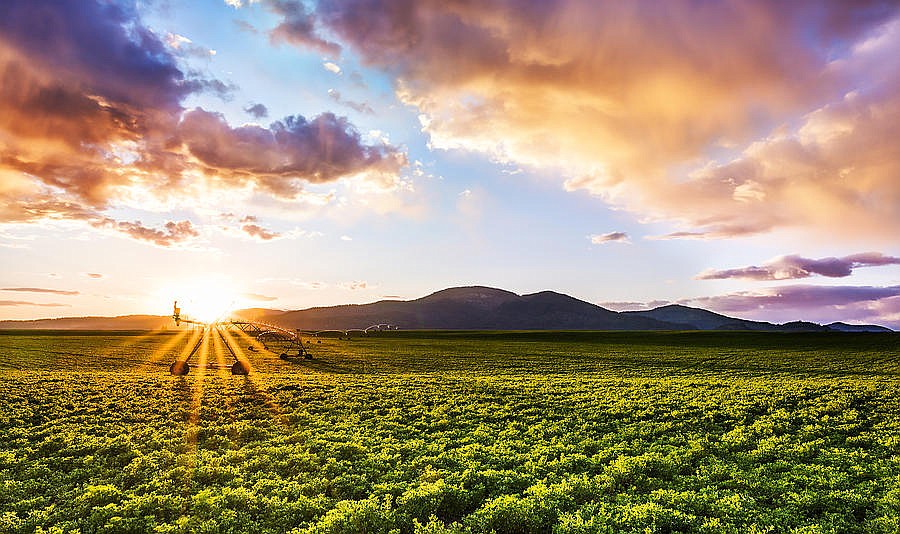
(468, 308)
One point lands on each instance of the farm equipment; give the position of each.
(286, 343)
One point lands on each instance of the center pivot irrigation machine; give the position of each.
(286, 343)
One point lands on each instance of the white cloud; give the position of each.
(612, 237)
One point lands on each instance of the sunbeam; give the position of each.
(219, 349)
(165, 349)
(256, 384)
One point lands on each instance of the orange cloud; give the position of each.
(257, 231)
(171, 233)
(40, 290)
(645, 104)
(28, 303)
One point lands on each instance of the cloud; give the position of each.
(237, 4)
(794, 267)
(92, 118)
(45, 207)
(355, 285)
(93, 275)
(729, 120)
(257, 111)
(280, 158)
(632, 305)
(259, 298)
(346, 238)
(244, 26)
(797, 296)
(360, 107)
(40, 290)
(171, 233)
(78, 82)
(257, 231)
(183, 46)
(823, 304)
(612, 237)
(26, 303)
(298, 27)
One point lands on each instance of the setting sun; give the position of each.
(205, 300)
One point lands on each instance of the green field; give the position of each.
(455, 432)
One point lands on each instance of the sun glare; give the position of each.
(205, 300)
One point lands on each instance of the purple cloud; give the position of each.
(91, 111)
(318, 150)
(359, 107)
(797, 296)
(822, 304)
(795, 267)
(257, 111)
(298, 27)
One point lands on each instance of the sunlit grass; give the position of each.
(256, 382)
(128, 342)
(220, 352)
(510, 432)
(165, 349)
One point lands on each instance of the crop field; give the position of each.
(507, 432)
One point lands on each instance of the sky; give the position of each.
(740, 156)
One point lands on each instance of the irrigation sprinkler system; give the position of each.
(286, 343)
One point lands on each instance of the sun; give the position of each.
(206, 300)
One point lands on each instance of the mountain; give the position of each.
(472, 308)
(699, 319)
(844, 327)
(467, 308)
(122, 322)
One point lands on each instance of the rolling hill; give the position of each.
(467, 308)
